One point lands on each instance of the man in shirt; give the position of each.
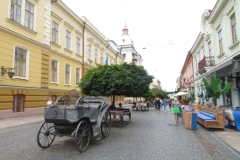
(165, 104)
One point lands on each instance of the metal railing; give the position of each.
(206, 62)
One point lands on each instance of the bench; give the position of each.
(126, 112)
(190, 108)
(211, 120)
(114, 114)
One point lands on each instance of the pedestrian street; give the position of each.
(150, 135)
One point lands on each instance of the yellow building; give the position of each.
(49, 48)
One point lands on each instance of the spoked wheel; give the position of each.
(82, 136)
(46, 135)
(106, 124)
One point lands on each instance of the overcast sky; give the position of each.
(167, 28)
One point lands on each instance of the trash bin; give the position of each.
(191, 120)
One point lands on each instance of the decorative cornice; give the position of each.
(65, 56)
(11, 21)
(17, 35)
(76, 31)
(70, 12)
(102, 49)
(97, 45)
(67, 24)
(90, 40)
(220, 4)
(197, 42)
(56, 16)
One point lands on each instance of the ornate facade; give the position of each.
(49, 48)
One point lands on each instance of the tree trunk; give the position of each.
(114, 100)
(214, 101)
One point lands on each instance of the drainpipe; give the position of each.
(84, 26)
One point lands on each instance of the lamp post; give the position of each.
(9, 71)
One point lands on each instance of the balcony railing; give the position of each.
(206, 62)
(134, 58)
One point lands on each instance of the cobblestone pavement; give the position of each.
(151, 135)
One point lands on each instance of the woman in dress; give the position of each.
(176, 110)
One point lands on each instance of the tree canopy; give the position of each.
(125, 79)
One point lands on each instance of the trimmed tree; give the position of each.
(111, 80)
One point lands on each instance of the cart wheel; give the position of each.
(82, 136)
(46, 135)
(106, 124)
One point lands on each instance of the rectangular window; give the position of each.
(18, 103)
(68, 40)
(203, 51)
(29, 14)
(77, 76)
(210, 49)
(89, 52)
(15, 11)
(54, 71)
(54, 32)
(233, 25)
(78, 45)
(220, 42)
(67, 74)
(20, 62)
(96, 56)
(101, 58)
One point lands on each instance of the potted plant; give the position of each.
(215, 89)
(191, 97)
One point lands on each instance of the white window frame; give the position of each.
(219, 48)
(78, 46)
(89, 51)
(22, 17)
(66, 46)
(234, 37)
(27, 24)
(79, 75)
(26, 77)
(102, 58)
(14, 13)
(57, 42)
(69, 74)
(57, 71)
(96, 56)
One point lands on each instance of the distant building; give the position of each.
(187, 74)
(155, 84)
(127, 49)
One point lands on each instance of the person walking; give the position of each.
(164, 102)
(160, 104)
(170, 103)
(176, 110)
(157, 104)
(49, 101)
(134, 106)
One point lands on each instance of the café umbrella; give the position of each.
(180, 94)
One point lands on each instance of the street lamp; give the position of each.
(9, 71)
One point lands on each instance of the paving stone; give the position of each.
(150, 135)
